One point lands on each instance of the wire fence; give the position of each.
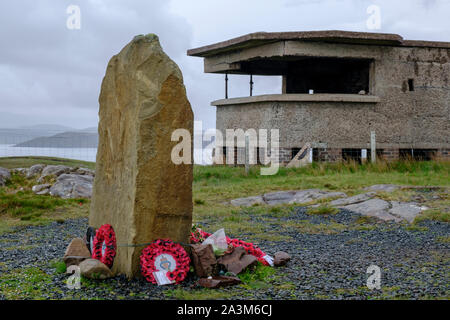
(77, 145)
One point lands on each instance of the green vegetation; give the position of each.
(26, 162)
(433, 214)
(27, 283)
(214, 186)
(60, 266)
(257, 278)
(322, 210)
(20, 206)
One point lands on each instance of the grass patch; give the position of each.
(259, 277)
(415, 227)
(199, 201)
(443, 239)
(432, 214)
(26, 162)
(322, 210)
(19, 206)
(59, 266)
(27, 283)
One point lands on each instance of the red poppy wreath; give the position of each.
(104, 246)
(165, 256)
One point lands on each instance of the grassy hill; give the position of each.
(26, 162)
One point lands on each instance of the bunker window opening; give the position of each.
(328, 75)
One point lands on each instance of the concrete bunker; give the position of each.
(337, 88)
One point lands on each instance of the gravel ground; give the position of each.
(414, 262)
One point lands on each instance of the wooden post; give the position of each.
(247, 155)
(373, 147)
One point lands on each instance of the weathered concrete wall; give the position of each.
(402, 118)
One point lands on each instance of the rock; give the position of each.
(274, 198)
(138, 189)
(85, 171)
(218, 281)
(355, 199)
(281, 197)
(72, 186)
(383, 187)
(237, 261)
(41, 189)
(280, 258)
(94, 269)
(35, 170)
(203, 259)
(406, 210)
(53, 171)
(76, 252)
(5, 175)
(247, 202)
(23, 171)
(373, 208)
(305, 196)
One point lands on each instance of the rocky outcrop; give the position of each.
(365, 204)
(72, 186)
(352, 200)
(55, 171)
(248, 202)
(289, 197)
(41, 189)
(35, 170)
(383, 188)
(85, 172)
(70, 182)
(138, 189)
(4, 176)
(377, 208)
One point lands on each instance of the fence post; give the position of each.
(373, 147)
(247, 155)
(363, 155)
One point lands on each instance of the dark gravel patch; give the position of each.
(414, 262)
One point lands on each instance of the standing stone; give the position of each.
(137, 187)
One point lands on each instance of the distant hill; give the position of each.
(14, 136)
(70, 139)
(48, 127)
(90, 129)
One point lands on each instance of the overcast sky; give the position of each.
(50, 74)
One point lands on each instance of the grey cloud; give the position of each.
(47, 68)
